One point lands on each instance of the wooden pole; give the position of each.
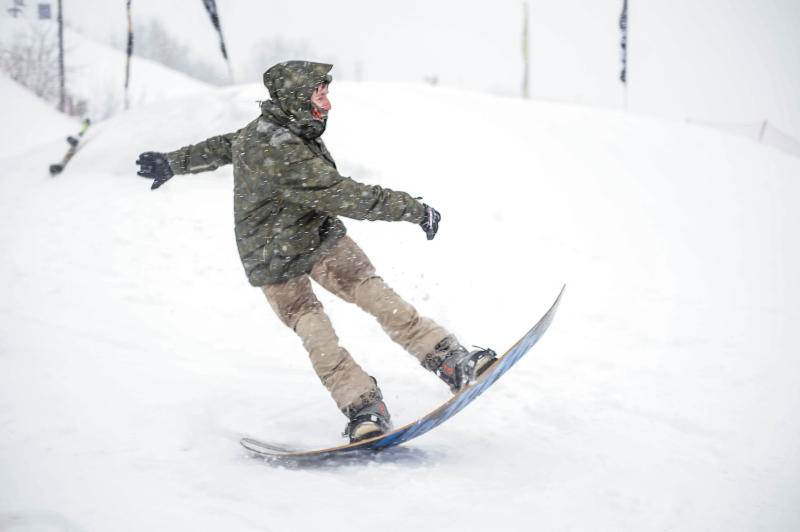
(525, 89)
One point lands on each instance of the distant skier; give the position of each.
(288, 196)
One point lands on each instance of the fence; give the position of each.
(763, 132)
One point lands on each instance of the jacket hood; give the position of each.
(290, 85)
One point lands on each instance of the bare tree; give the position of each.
(271, 51)
(31, 59)
(154, 42)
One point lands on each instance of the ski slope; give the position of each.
(95, 72)
(134, 355)
(24, 130)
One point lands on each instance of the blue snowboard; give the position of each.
(434, 419)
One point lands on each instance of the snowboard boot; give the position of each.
(368, 420)
(458, 368)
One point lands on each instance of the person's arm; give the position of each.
(201, 157)
(309, 181)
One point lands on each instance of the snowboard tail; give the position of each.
(74, 143)
(433, 419)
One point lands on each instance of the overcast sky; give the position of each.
(722, 60)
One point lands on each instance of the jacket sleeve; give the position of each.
(307, 180)
(203, 156)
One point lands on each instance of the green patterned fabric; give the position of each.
(288, 195)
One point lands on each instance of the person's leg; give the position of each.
(347, 272)
(298, 308)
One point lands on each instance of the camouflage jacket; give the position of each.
(288, 195)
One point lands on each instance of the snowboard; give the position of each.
(426, 423)
(74, 142)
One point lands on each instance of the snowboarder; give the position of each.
(288, 197)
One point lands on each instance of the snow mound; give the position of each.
(28, 121)
(96, 72)
(133, 353)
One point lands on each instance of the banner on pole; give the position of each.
(129, 54)
(211, 7)
(44, 12)
(623, 26)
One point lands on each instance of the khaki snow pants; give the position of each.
(347, 272)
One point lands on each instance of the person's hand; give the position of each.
(154, 166)
(431, 222)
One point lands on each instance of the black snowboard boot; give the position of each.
(456, 366)
(369, 420)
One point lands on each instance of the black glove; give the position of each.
(154, 166)
(431, 222)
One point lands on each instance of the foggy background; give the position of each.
(134, 354)
(727, 61)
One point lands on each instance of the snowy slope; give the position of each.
(133, 353)
(95, 72)
(29, 121)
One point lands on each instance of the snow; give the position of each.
(24, 130)
(96, 72)
(134, 355)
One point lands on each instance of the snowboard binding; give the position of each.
(369, 420)
(460, 368)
